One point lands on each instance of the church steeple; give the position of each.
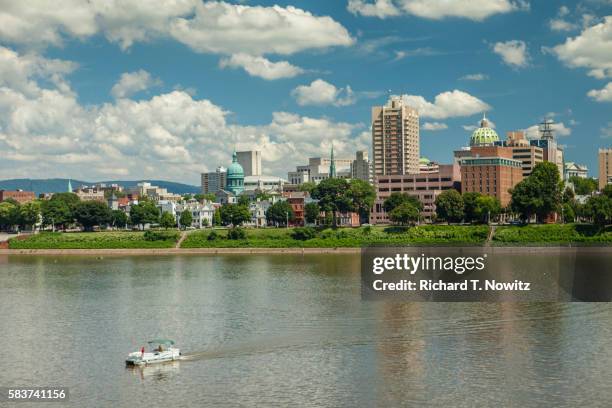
(69, 186)
(332, 165)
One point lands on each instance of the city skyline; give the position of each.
(168, 92)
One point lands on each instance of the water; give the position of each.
(276, 330)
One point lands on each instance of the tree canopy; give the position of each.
(539, 194)
(92, 213)
(449, 206)
(278, 213)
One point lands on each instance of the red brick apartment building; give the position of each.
(18, 195)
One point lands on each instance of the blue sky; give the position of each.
(150, 91)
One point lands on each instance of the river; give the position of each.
(285, 330)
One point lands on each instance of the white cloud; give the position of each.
(559, 23)
(261, 66)
(477, 10)
(225, 28)
(606, 131)
(474, 77)
(46, 132)
(559, 129)
(590, 49)
(513, 53)
(434, 126)
(447, 105)
(380, 8)
(132, 82)
(602, 95)
(320, 92)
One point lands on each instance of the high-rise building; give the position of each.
(214, 181)
(605, 167)
(522, 150)
(361, 167)
(551, 151)
(250, 162)
(395, 138)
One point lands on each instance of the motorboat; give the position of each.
(160, 351)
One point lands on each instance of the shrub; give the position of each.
(303, 233)
(236, 233)
(152, 235)
(212, 236)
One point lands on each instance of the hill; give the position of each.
(60, 185)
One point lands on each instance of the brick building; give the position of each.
(18, 195)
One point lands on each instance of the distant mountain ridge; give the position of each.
(58, 185)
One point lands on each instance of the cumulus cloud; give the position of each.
(474, 77)
(606, 131)
(434, 126)
(132, 82)
(476, 10)
(513, 53)
(590, 50)
(320, 92)
(559, 129)
(559, 23)
(602, 95)
(380, 8)
(261, 66)
(46, 132)
(447, 105)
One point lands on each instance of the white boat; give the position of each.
(160, 351)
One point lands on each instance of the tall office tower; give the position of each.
(250, 162)
(214, 181)
(552, 152)
(360, 167)
(605, 167)
(395, 138)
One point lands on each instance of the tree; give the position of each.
(118, 218)
(217, 218)
(263, 196)
(145, 212)
(583, 186)
(539, 194)
(363, 195)
(311, 212)
(487, 208)
(607, 190)
(167, 220)
(70, 199)
(92, 213)
(333, 195)
(207, 197)
(29, 214)
(449, 206)
(404, 213)
(7, 215)
(186, 219)
(396, 199)
(470, 207)
(234, 214)
(279, 212)
(243, 199)
(56, 212)
(599, 209)
(307, 187)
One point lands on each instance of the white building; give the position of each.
(575, 170)
(145, 189)
(317, 169)
(263, 183)
(201, 214)
(361, 167)
(258, 212)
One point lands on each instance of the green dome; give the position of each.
(484, 135)
(235, 170)
(424, 160)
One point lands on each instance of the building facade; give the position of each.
(551, 151)
(361, 167)
(575, 170)
(20, 196)
(491, 170)
(395, 138)
(605, 167)
(318, 168)
(250, 162)
(214, 181)
(235, 177)
(425, 186)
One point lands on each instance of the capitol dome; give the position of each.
(235, 176)
(484, 135)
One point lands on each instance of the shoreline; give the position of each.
(273, 251)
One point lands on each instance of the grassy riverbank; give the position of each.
(93, 240)
(327, 238)
(551, 234)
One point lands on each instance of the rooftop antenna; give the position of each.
(546, 129)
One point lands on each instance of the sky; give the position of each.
(142, 89)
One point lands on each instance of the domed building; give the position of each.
(235, 176)
(484, 135)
